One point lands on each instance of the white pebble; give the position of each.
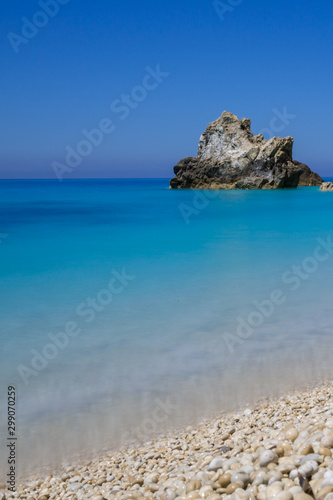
(308, 468)
(267, 457)
(239, 494)
(284, 495)
(216, 464)
(327, 441)
(294, 490)
(273, 490)
(327, 482)
(293, 474)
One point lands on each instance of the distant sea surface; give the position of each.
(128, 308)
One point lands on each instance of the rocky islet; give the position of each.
(326, 186)
(231, 157)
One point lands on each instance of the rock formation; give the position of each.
(231, 157)
(326, 186)
(308, 177)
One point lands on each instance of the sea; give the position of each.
(129, 309)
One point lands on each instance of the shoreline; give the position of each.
(256, 452)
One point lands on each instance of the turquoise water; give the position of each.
(194, 267)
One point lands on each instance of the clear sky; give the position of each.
(257, 59)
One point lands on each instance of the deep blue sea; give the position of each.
(122, 300)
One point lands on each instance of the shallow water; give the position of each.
(163, 346)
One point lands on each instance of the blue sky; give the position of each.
(255, 60)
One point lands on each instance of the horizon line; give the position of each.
(82, 179)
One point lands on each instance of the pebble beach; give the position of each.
(276, 449)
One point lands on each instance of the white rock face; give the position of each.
(326, 186)
(229, 140)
